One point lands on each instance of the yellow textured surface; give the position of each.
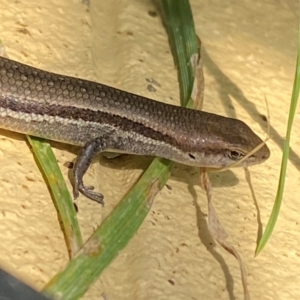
(249, 52)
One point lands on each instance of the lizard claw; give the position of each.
(88, 192)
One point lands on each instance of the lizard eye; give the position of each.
(235, 155)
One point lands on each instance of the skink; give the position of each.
(102, 118)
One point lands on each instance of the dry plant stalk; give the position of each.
(218, 232)
(214, 225)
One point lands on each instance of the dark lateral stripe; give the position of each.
(87, 115)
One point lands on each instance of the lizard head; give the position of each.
(224, 142)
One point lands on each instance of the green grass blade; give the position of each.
(121, 225)
(60, 193)
(277, 204)
(183, 41)
(111, 237)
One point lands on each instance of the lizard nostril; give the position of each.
(267, 154)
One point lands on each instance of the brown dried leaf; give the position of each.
(218, 232)
(198, 85)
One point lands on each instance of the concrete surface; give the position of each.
(249, 53)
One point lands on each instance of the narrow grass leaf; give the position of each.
(61, 195)
(279, 196)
